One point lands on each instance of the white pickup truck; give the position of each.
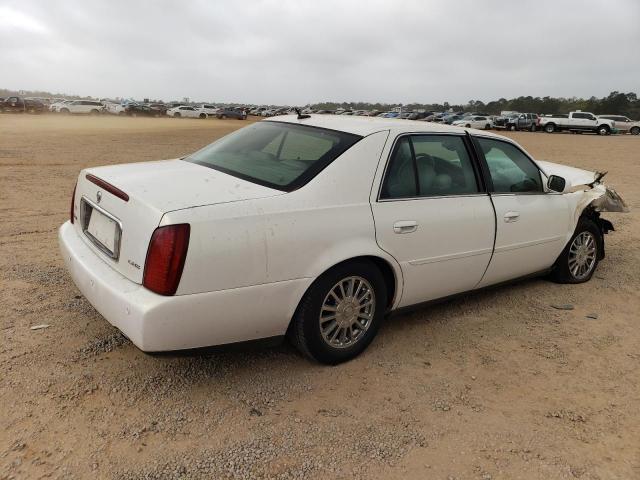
(576, 122)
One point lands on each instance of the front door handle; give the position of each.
(511, 217)
(405, 226)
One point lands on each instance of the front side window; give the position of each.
(429, 166)
(510, 169)
(279, 155)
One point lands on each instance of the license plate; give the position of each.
(101, 228)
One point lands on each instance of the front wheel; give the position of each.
(177, 115)
(487, 126)
(340, 314)
(203, 115)
(635, 131)
(580, 257)
(603, 130)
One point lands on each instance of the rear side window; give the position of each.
(279, 155)
(429, 166)
(510, 169)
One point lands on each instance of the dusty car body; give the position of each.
(317, 226)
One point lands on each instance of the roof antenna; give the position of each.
(300, 115)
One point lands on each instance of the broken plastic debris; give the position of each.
(40, 327)
(566, 306)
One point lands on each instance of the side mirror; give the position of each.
(556, 183)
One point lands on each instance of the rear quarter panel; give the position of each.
(297, 235)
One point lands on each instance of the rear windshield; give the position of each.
(279, 155)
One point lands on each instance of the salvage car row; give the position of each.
(575, 122)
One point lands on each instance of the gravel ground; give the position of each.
(496, 385)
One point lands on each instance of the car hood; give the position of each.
(587, 187)
(169, 185)
(573, 176)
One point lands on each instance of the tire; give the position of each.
(550, 127)
(94, 112)
(532, 128)
(635, 131)
(336, 344)
(177, 115)
(203, 115)
(467, 126)
(604, 130)
(65, 111)
(121, 114)
(511, 128)
(223, 117)
(487, 126)
(568, 268)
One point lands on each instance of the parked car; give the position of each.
(473, 122)
(87, 107)
(21, 105)
(231, 113)
(208, 110)
(137, 110)
(316, 228)
(517, 121)
(55, 106)
(576, 122)
(114, 108)
(624, 124)
(185, 111)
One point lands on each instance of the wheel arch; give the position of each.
(391, 273)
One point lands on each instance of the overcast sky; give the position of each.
(298, 51)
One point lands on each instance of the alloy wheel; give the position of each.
(582, 255)
(347, 312)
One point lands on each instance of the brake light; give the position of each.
(73, 201)
(165, 258)
(108, 187)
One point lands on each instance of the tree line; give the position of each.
(616, 103)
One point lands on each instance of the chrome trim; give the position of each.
(84, 222)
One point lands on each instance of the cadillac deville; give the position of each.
(316, 227)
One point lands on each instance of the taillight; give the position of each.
(73, 200)
(165, 258)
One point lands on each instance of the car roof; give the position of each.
(364, 126)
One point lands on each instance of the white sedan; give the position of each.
(475, 121)
(186, 111)
(317, 226)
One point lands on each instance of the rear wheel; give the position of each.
(549, 128)
(64, 111)
(177, 115)
(203, 115)
(580, 257)
(532, 128)
(340, 314)
(487, 126)
(511, 128)
(635, 131)
(94, 112)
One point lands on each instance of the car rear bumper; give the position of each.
(157, 323)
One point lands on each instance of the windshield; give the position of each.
(279, 155)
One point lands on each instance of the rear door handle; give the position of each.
(405, 226)
(511, 217)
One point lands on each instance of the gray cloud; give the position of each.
(294, 51)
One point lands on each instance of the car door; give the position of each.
(433, 215)
(532, 224)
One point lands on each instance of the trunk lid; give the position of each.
(119, 231)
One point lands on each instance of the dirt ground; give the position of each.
(497, 385)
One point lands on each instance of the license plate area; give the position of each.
(103, 229)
